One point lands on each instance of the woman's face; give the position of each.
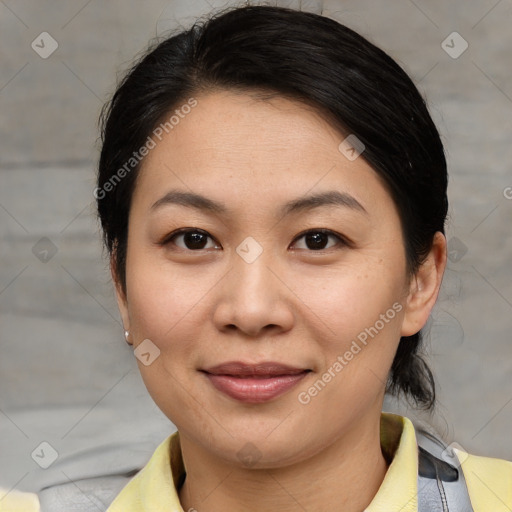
(315, 288)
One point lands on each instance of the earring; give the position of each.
(126, 334)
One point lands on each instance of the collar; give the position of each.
(154, 488)
(399, 489)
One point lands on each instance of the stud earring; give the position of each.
(126, 334)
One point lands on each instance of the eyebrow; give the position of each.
(199, 202)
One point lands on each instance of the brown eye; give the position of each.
(317, 239)
(190, 239)
(197, 240)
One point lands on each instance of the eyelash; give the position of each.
(342, 241)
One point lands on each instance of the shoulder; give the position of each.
(486, 481)
(152, 488)
(16, 501)
(489, 481)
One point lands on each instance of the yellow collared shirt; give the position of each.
(154, 488)
(489, 480)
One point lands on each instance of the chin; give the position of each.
(261, 450)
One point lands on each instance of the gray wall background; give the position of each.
(66, 375)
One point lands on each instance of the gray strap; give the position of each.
(441, 484)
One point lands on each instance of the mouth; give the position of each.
(254, 383)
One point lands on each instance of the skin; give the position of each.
(293, 304)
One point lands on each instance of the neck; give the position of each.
(345, 475)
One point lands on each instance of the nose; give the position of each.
(254, 298)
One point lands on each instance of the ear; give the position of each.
(122, 302)
(424, 287)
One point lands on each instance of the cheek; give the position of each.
(162, 301)
(163, 308)
(349, 300)
(360, 310)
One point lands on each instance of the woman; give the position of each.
(272, 193)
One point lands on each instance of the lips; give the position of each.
(266, 369)
(254, 383)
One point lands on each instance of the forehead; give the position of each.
(237, 147)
